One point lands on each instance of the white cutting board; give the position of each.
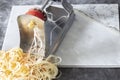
(87, 43)
(90, 44)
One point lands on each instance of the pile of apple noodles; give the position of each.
(17, 65)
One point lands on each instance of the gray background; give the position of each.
(67, 73)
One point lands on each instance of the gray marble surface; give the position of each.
(106, 14)
(67, 73)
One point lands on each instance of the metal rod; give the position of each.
(44, 4)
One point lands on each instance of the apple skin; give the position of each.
(38, 13)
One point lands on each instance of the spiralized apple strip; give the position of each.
(38, 45)
(17, 65)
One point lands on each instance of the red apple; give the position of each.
(38, 13)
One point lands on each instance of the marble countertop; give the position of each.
(67, 73)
